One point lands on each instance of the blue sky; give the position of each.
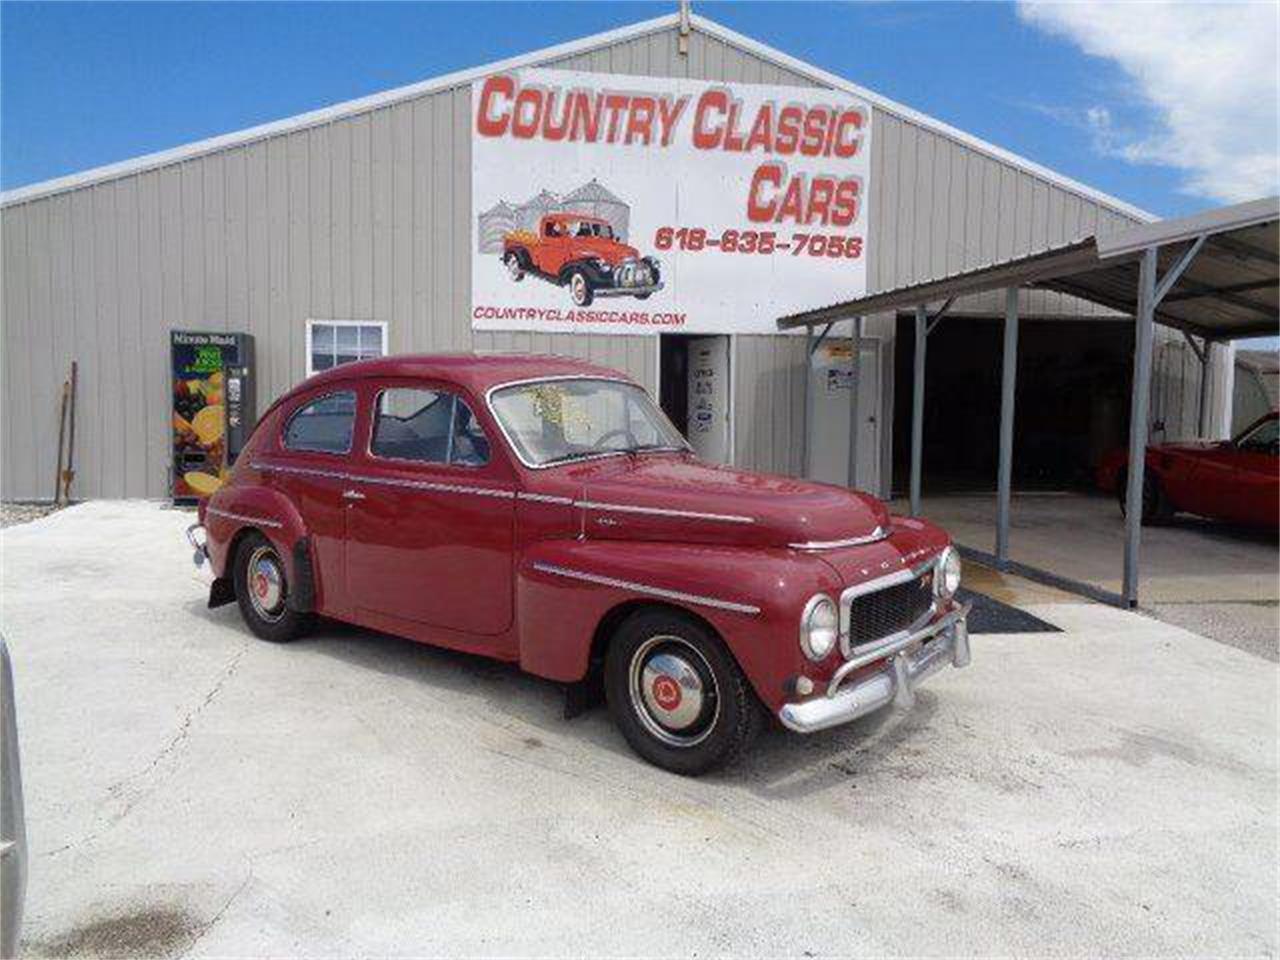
(1098, 93)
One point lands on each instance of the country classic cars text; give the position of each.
(713, 121)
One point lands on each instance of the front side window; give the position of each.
(553, 421)
(331, 343)
(427, 426)
(324, 425)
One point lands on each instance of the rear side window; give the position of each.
(324, 425)
(428, 426)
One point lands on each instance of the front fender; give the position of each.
(752, 597)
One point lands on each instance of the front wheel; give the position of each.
(1155, 505)
(580, 289)
(515, 269)
(262, 591)
(677, 694)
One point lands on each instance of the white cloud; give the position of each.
(1206, 71)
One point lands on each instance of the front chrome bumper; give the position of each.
(620, 291)
(909, 660)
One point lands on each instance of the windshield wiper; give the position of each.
(652, 447)
(564, 457)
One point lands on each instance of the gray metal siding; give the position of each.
(368, 217)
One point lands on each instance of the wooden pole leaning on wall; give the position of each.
(62, 430)
(68, 474)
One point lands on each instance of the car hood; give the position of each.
(665, 497)
(609, 250)
(1188, 447)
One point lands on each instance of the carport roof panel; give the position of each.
(1228, 291)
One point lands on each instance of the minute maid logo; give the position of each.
(185, 339)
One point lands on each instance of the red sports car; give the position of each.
(1237, 481)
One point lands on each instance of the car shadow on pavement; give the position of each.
(511, 699)
(780, 764)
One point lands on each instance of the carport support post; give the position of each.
(1138, 409)
(1206, 361)
(917, 408)
(1008, 381)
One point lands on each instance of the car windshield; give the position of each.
(1261, 438)
(553, 421)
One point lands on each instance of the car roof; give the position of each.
(576, 217)
(475, 372)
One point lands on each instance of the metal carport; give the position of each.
(1215, 276)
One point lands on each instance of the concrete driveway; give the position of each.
(192, 791)
(1216, 580)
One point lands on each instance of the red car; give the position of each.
(581, 253)
(543, 511)
(1236, 481)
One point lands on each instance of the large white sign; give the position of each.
(620, 204)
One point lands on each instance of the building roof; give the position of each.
(1229, 290)
(338, 111)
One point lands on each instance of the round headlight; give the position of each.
(946, 576)
(819, 627)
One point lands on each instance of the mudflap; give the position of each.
(585, 695)
(221, 592)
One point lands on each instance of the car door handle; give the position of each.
(352, 495)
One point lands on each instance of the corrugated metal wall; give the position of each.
(367, 217)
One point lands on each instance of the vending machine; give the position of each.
(213, 407)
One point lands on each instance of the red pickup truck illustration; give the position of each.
(580, 252)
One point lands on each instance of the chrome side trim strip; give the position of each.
(875, 536)
(388, 481)
(663, 512)
(646, 589)
(243, 518)
(545, 498)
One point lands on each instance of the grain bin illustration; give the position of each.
(592, 198)
(596, 200)
(494, 223)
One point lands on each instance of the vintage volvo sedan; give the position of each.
(543, 511)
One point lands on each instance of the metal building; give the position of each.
(361, 214)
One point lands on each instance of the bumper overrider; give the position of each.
(908, 660)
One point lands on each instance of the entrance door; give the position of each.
(832, 379)
(693, 391)
(708, 397)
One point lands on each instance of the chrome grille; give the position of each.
(891, 609)
(633, 273)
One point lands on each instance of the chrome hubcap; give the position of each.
(674, 691)
(266, 584)
(513, 265)
(579, 288)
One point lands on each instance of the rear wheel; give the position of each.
(262, 591)
(677, 694)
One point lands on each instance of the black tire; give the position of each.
(1156, 508)
(514, 265)
(644, 296)
(262, 591)
(579, 284)
(715, 714)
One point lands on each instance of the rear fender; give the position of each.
(232, 511)
(752, 598)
